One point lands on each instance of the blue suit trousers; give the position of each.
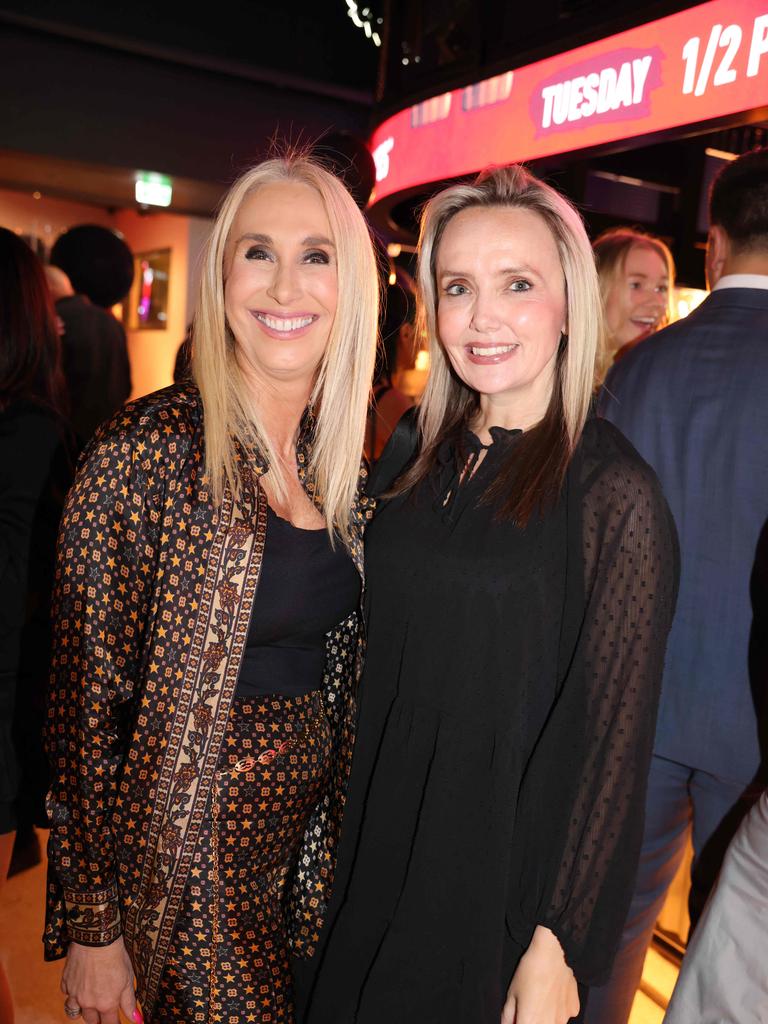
(678, 795)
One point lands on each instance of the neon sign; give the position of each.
(703, 63)
(616, 87)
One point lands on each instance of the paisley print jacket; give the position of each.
(153, 597)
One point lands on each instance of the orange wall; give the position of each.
(153, 352)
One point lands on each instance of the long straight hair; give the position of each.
(533, 474)
(339, 398)
(30, 350)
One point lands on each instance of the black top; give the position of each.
(507, 714)
(305, 589)
(35, 470)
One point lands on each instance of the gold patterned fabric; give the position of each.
(153, 596)
(228, 958)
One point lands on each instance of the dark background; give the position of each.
(92, 92)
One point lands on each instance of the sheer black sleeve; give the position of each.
(582, 799)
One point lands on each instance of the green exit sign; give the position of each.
(153, 189)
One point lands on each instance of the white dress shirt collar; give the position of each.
(742, 281)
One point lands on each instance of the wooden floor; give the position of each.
(36, 984)
(645, 1011)
(659, 977)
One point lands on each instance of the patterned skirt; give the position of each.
(228, 959)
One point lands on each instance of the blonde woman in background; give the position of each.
(637, 275)
(206, 618)
(521, 577)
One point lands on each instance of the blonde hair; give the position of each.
(611, 249)
(339, 398)
(447, 401)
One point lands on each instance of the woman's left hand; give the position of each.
(543, 989)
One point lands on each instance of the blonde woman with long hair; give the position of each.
(637, 276)
(521, 579)
(207, 633)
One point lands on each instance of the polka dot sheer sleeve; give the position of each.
(583, 794)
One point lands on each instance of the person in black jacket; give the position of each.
(94, 356)
(33, 435)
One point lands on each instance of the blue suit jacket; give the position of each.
(693, 399)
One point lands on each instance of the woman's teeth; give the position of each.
(496, 350)
(280, 323)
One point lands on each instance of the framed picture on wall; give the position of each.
(147, 305)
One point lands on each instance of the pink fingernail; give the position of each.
(137, 1016)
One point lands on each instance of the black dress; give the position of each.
(507, 716)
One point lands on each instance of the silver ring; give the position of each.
(73, 1012)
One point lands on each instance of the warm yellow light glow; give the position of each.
(393, 278)
(721, 154)
(422, 361)
(685, 300)
(394, 249)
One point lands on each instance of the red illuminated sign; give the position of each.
(706, 62)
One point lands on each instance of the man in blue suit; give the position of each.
(693, 400)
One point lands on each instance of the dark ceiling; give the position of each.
(94, 92)
(311, 41)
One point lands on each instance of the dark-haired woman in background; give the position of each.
(521, 584)
(33, 452)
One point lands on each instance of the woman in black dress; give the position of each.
(521, 578)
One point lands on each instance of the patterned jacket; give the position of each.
(153, 597)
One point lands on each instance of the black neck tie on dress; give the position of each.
(454, 470)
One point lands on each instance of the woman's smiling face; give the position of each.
(281, 281)
(501, 303)
(637, 302)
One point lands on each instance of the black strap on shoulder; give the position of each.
(398, 452)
